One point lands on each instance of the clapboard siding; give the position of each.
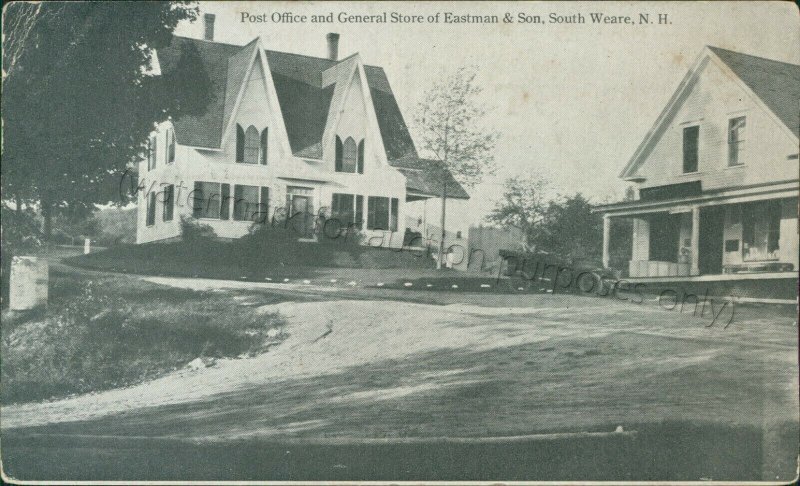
(715, 98)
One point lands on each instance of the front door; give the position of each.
(712, 221)
(301, 211)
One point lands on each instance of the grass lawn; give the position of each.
(103, 332)
(248, 258)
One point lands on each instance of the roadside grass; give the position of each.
(107, 332)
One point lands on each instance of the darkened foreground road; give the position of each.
(387, 373)
(669, 451)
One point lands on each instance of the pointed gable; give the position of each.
(775, 83)
(303, 99)
(237, 70)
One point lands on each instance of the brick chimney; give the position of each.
(333, 46)
(208, 26)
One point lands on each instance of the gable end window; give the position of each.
(736, 127)
(170, 146)
(691, 137)
(349, 156)
(252, 145)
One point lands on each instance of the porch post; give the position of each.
(606, 237)
(695, 269)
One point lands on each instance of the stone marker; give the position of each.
(29, 280)
(87, 246)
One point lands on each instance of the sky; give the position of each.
(571, 101)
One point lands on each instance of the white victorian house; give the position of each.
(717, 176)
(285, 135)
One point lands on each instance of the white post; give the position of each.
(28, 283)
(87, 246)
(695, 269)
(606, 238)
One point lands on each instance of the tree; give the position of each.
(449, 120)
(571, 230)
(77, 101)
(524, 206)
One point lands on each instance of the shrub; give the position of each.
(193, 231)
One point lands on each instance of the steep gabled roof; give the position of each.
(303, 100)
(304, 104)
(775, 84)
(201, 130)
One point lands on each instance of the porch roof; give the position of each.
(757, 192)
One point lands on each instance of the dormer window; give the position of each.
(249, 145)
(349, 156)
(170, 146)
(736, 128)
(252, 145)
(691, 138)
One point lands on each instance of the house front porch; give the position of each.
(730, 236)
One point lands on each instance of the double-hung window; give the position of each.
(250, 203)
(207, 200)
(382, 213)
(736, 128)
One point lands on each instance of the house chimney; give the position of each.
(333, 46)
(208, 24)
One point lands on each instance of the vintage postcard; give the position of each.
(400, 242)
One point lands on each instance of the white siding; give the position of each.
(715, 99)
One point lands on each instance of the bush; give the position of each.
(193, 231)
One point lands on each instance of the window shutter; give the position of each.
(264, 143)
(263, 208)
(239, 143)
(169, 196)
(224, 209)
(155, 151)
(197, 200)
(361, 157)
(149, 153)
(339, 152)
(170, 146)
(359, 212)
(393, 214)
(371, 207)
(151, 209)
